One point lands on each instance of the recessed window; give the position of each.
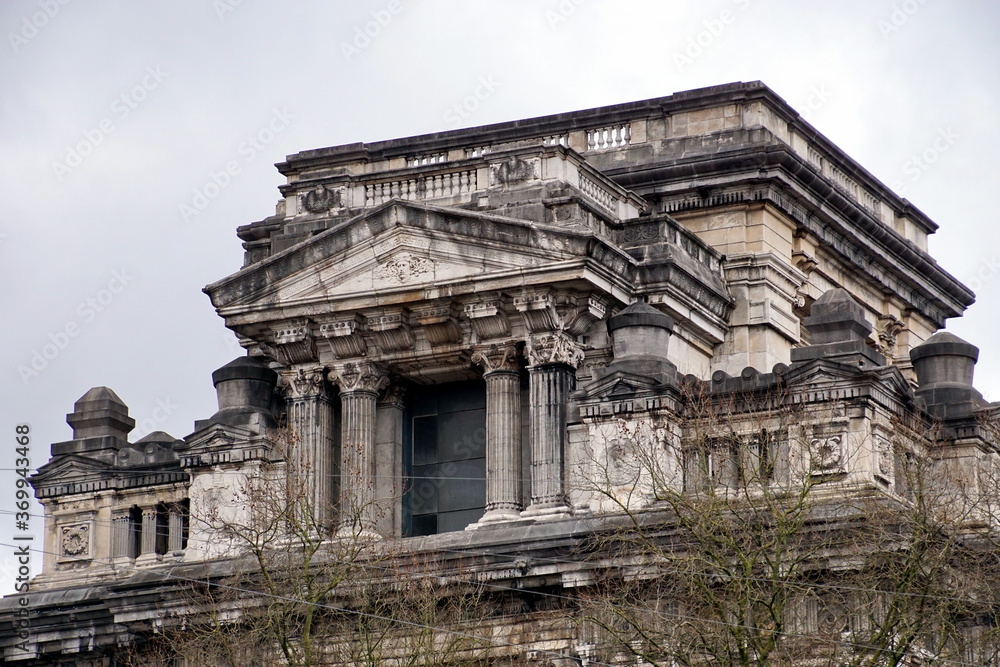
(444, 458)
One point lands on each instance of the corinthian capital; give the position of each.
(303, 382)
(362, 376)
(496, 357)
(554, 348)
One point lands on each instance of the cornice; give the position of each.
(777, 176)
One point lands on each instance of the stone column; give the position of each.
(360, 384)
(175, 531)
(121, 536)
(552, 359)
(503, 431)
(148, 535)
(389, 459)
(310, 460)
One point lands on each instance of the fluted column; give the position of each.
(122, 536)
(503, 431)
(175, 530)
(360, 384)
(552, 359)
(310, 459)
(148, 539)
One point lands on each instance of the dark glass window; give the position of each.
(445, 458)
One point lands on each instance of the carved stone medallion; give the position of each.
(826, 448)
(75, 540)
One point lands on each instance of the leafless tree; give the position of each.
(744, 539)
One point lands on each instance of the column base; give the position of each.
(496, 516)
(123, 563)
(547, 512)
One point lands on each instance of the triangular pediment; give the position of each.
(404, 259)
(71, 468)
(405, 246)
(215, 437)
(824, 373)
(619, 385)
(819, 372)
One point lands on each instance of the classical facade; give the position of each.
(494, 341)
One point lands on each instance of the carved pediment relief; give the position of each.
(401, 261)
(404, 247)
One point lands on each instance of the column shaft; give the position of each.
(148, 538)
(357, 502)
(121, 536)
(312, 461)
(503, 445)
(549, 392)
(175, 531)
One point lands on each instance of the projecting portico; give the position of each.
(439, 296)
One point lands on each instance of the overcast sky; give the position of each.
(114, 116)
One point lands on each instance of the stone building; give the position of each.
(489, 341)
